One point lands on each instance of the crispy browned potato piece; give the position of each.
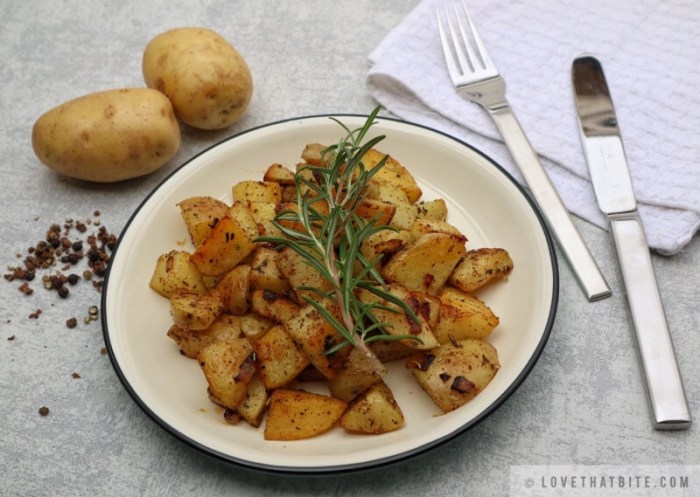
(278, 358)
(227, 245)
(234, 288)
(398, 321)
(174, 271)
(360, 371)
(426, 264)
(435, 210)
(228, 366)
(480, 267)
(455, 373)
(296, 414)
(463, 316)
(265, 274)
(315, 337)
(194, 310)
(392, 173)
(252, 407)
(273, 306)
(263, 214)
(257, 191)
(192, 342)
(300, 274)
(200, 215)
(279, 174)
(382, 212)
(374, 411)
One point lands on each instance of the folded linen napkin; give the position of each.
(650, 51)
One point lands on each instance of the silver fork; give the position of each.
(477, 79)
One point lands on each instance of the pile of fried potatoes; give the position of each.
(237, 307)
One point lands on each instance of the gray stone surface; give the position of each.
(583, 403)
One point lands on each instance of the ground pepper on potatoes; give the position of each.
(243, 304)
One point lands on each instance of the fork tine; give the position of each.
(448, 48)
(465, 39)
(480, 47)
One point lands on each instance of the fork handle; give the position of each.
(558, 218)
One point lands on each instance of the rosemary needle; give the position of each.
(332, 237)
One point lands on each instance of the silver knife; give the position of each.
(607, 163)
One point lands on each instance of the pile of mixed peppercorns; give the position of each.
(58, 257)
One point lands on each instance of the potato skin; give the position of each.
(206, 79)
(108, 136)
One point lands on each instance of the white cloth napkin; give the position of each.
(650, 51)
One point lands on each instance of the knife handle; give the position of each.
(663, 379)
(558, 218)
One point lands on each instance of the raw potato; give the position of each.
(108, 136)
(205, 78)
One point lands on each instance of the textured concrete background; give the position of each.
(583, 403)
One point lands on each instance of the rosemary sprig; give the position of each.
(331, 238)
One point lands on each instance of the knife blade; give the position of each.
(607, 163)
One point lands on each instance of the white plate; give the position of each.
(483, 201)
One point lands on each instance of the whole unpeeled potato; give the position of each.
(108, 136)
(205, 78)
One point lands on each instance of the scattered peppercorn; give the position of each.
(44, 411)
(75, 376)
(71, 322)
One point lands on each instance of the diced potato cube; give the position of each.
(296, 414)
(300, 274)
(385, 243)
(455, 373)
(279, 360)
(252, 407)
(225, 247)
(174, 271)
(361, 370)
(265, 274)
(234, 289)
(228, 366)
(195, 311)
(399, 322)
(374, 412)
(426, 264)
(434, 210)
(382, 212)
(392, 173)
(480, 267)
(463, 316)
(423, 226)
(315, 337)
(405, 212)
(257, 191)
(200, 215)
(191, 342)
(254, 326)
(273, 306)
(278, 173)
